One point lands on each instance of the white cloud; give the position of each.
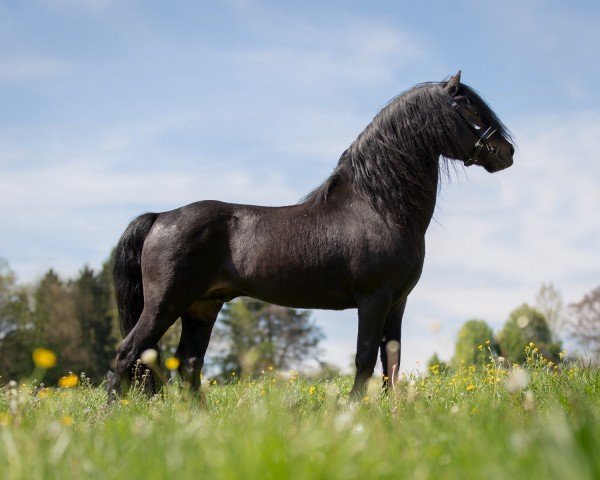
(24, 68)
(364, 54)
(91, 5)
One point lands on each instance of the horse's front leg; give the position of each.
(390, 345)
(372, 313)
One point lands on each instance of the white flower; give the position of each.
(149, 356)
(517, 380)
(522, 321)
(528, 400)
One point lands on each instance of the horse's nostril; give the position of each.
(512, 150)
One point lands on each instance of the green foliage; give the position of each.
(524, 325)
(74, 319)
(94, 308)
(436, 364)
(470, 342)
(253, 336)
(57, 327)
(15, 323)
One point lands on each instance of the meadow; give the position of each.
(498, 421)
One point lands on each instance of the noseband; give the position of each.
(483, 138)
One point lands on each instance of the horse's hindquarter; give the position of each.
(315, 257)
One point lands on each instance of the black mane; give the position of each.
(385, 164)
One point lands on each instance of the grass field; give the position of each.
(539, 422)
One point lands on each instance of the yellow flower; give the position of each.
(487, 342)
(68, 381)
(172, 363)
(66, 420)
(124, 401)
(531, 344)
(44, 358)
(43, 393)
(311, 390)
(270, 368)
(470, 387)
(4, 419)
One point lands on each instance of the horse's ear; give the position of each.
(453, 84)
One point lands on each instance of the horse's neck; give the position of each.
(427, 197)
(417, 197)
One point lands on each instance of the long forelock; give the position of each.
(487, 115)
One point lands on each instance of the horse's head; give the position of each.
(483, 139)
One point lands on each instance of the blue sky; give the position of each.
(108, 109)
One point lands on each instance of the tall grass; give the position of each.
(501, 422)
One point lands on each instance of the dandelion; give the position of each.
(172, 363)
(528, 400)
(470, 387)
(523, 321)
(124, 401)
(517, 380)
(435, 327)
(562, 354)
(149, 356)
(68, 381)
(454, 409)
(311, 390)
(44, 358)
(411, 393)
(43, 393)
(66, 420)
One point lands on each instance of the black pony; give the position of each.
(357, 241)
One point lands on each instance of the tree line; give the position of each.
(540, 325)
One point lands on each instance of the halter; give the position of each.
(483, 140)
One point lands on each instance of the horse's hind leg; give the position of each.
(196, 328)
(151, 326)
(390, 345)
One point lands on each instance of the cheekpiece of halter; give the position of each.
(482, 142)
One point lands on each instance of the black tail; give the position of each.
(127, 271)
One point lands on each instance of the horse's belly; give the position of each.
(301, 290)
